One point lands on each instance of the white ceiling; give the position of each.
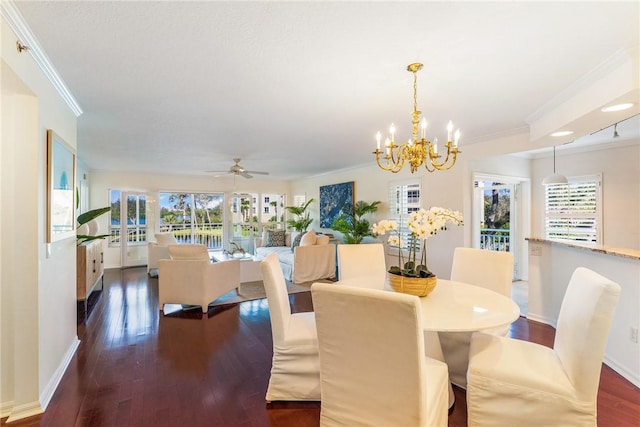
(300, 88)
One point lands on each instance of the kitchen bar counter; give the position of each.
(621, 252)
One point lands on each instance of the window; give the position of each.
(194, 217)
(404, 198)
(573, 211)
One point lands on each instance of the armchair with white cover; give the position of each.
(159, 249)
(190, 278)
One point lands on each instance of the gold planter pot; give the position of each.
(420, 286)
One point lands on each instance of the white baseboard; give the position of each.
(54, 381)
(35, 408)
(5, 408)
(541, 319)
(633, 378)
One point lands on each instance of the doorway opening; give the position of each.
(500, 223)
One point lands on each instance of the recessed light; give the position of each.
(617, 107)
(562, 133)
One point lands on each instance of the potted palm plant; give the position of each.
(302, 218)
(353, 226)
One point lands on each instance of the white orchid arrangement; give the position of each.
(422, 224)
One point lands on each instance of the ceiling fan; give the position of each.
(238, 169)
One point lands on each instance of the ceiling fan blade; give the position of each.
(246, 175)
(257, 172)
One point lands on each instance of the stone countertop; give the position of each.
(603, 249)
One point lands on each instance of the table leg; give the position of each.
(434, 350)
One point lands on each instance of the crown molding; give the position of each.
(14, 18)
(618, 58)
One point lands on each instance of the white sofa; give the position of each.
(313, 259)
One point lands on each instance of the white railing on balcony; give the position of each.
(136, 234)
(494, 239)
(209, 235)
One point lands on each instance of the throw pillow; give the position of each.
(275, 238)
(296, 241)
(309, 238)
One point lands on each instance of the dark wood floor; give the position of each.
(137, 367)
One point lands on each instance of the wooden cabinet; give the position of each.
(90, 267)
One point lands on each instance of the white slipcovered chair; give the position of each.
(190, 278)
(490, 270)
(373, 367)
(364, 262)
(295, 372)
(513, 382)
(159, 249)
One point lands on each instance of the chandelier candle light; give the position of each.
(418, 150)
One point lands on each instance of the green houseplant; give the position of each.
(302, 218)
(353, 226)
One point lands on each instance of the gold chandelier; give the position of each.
(417, 151)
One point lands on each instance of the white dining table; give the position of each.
(454, 307)
(461, 307)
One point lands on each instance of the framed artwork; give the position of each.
(335, 200)
(61, 178)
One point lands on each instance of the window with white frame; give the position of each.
(573, 211)
(404, 198)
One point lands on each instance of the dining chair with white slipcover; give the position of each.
(295, 371)
(488, 269)
(362, 261)
(514, 382)
(373, 367)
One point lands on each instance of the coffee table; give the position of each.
(249, 266)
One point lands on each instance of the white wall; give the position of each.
(38, 280)
(101, 182)
(620, 168)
